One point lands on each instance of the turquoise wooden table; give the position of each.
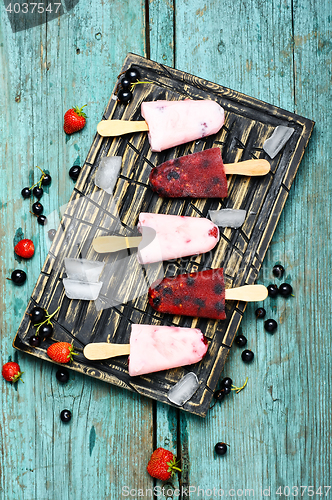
(279, 426)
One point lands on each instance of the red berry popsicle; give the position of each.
(199, 175)
(199, 294)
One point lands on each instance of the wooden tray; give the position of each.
(92, 212)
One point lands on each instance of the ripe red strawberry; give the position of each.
(162, 464)
(61, 352)
(11, 372)
(74, 120)
(25, 248)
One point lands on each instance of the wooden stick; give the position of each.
(106, 244)
(113, 128)
(247, 293)
(248, 167)
(105, 350)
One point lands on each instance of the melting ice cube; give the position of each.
(228, 217)
(278, 139)
(107, 173)
(83, 269)
(183, 390)
(81, 290)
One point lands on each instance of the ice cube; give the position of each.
(81, 290)
(107, 173)
(183, 390)
(278, 139)
(228, 217)
(83, 269)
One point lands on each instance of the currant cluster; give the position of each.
(37, 191)
(41, 319)
(126, 85)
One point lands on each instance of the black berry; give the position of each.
(26, 193)
(37, 208)
(132, 75)
(240, 340)
(62, 375)
(124, 96)
(125, 83)
(42, 220)
(219, 395)
(226, 382)
(65, 416)
(221, 448)
(272, 290)
(35, 341)
(270, 325)
(38, 192)
(260, 312)
(46, 180)
(285, 289)
(278, 271)
(37, 315)
(51, 234)
(74, 172)
(247, 356)
(45, 331)
(18, 277)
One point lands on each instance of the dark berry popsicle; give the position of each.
(199, 175)
(200, 294)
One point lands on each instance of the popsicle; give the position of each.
(200, 294)
(170, 123)
(200, 175)
(154, 348)
(164, 237)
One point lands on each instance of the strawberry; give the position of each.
(25, 248)
(11, 372)
(162, 464)
(74, 120)
(61, 352)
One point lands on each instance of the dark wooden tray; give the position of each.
(92, 212)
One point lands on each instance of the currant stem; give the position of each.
(136, 83)
(47, 319)
(238, 389)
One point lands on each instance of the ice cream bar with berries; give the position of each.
(174, 236)
(170, 123)
(200, 294)
(200, 175)
(154, 348)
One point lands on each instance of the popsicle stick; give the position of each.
(113, 128)
(106, 244)
(105, 350)
(248, 167)
(247, 293)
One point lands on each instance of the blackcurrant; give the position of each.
(37, 208)
(37, 315)
(65, 416)
(38, 192)
(240, 340)
(62, 375)
(285, 289)
(45, 331)
(278, 271)
(132, 75)
(247, 356)
(221, 448)
(26, 192)
(18, 277)
(74, 172)
(51, 234)
(260, 312)
(125, 83)
(226, 382)
(42, 220)
(35, 341)
(219, 395)
(46, 180)
(272, 290)
(124, 96)
(270, 325)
